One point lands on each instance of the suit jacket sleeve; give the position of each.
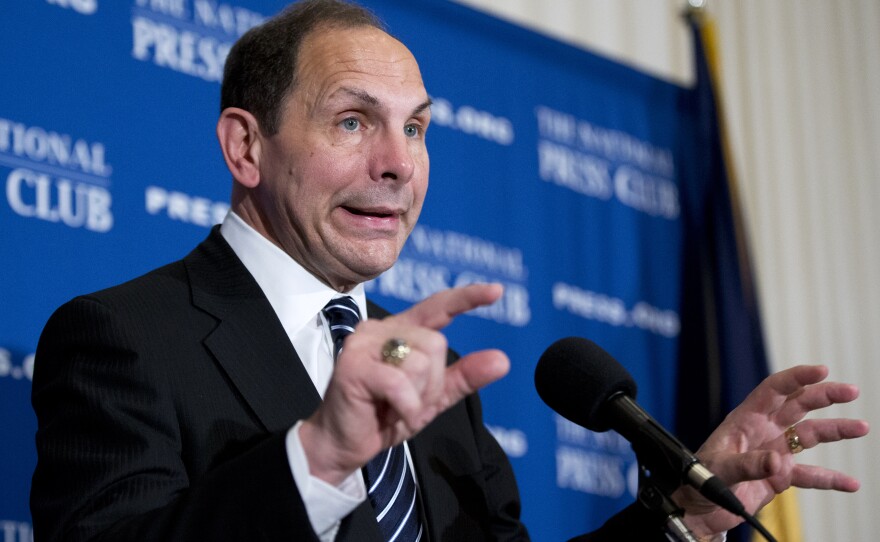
(110, 448)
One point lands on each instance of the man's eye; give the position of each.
(351, 124)
(411, 130)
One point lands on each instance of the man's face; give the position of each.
(343, 181)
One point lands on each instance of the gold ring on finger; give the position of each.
(794, 441)
(394, 351)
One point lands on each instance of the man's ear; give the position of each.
(240, 141)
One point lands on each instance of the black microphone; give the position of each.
(586, 385)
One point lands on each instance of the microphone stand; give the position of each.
(657, 500)
(654, 494)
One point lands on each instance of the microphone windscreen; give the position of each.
(575, 377)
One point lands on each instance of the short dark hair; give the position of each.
(261, 67)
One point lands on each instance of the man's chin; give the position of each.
(364, 271)
(357, 267)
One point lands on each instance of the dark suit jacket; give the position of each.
(162, 407)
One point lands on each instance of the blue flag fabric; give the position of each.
(722, 356)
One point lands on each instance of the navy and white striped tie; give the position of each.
(391, 486)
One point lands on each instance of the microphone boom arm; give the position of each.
(668, 461)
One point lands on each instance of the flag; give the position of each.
(722, 355)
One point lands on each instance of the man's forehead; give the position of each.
(361, 64)
(358, 49)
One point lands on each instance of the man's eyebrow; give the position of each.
(361, 95)
(367, 98)
(422, 107)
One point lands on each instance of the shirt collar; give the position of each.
(295, 294)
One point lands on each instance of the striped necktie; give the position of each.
(391, 486)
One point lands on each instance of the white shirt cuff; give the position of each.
(325, 504)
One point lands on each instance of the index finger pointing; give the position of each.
(437, 311)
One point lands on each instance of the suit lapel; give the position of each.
(249, 342)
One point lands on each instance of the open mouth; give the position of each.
(375, 214)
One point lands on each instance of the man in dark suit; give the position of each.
(204, 400)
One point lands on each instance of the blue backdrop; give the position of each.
(554, 171)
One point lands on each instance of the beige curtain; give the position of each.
(801, 88)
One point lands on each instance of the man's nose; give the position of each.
(392, 158)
